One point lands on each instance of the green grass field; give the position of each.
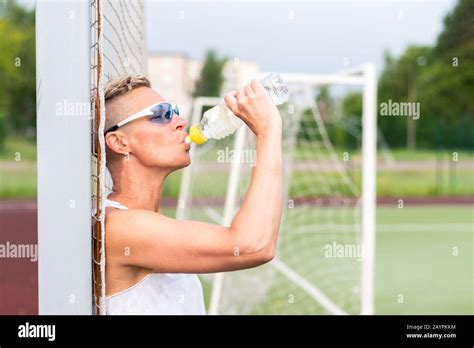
(18, 169)
(18, 175)
(424, 262)
(416, 258)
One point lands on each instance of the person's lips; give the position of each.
(184, 137)
(188, 146)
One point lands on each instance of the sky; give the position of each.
(312, 36)
(289, 36)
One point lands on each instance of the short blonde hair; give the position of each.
(116, 88)
(124, 84)
(115, 109)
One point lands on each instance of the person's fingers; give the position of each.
(249, 91)
(231, 100)
(257, 87)
(241, 97)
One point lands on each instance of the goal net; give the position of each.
(324, 258)
(117, 49)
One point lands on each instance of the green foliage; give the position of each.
(352, 119)
(399, 83)
(343, 129)
(352, 105)
(441, 79)
(458, 31)
(308, 124)
(3, 132)
(211, 79)
(17, 70)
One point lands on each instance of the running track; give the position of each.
(18, 277)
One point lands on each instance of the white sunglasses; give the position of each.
(161, 113)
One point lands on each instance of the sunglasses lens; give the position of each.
(162, 113)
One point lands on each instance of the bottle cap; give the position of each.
(196, 135)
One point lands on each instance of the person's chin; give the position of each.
(188, 160)
(185, 161)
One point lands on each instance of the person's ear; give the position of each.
(117, 142)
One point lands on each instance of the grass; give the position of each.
(409, 183)
(18, 169)
(18, 175)
(417, 270)
(18, 180)
(418, 262)
(18, 149)
(308, 151)
(422, 183)
(424, 154)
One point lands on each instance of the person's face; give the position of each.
(153, 144)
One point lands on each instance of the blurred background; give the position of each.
(424, 52)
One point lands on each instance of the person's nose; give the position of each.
(180, 123)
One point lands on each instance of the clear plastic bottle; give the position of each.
(220, 121)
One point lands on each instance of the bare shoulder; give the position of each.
(117, 217)
(124, 228)
(121, 223)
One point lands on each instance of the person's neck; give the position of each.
(138, 187)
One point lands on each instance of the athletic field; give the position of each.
(415, 258)
(424, 253)
(424, 260)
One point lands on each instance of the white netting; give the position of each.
(117, 49)
(321, 216)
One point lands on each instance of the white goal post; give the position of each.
(80, 45)
(363, 76)
(64, 164)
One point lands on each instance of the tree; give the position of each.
(458, 32)
(398, 82)
(441, 79)
(352, 110)
(17, 70)
(211, 79)
(448, 85)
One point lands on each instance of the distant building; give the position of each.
(174, 76)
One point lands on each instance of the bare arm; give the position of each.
(261, 210)
(167, 245)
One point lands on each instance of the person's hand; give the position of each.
(253, 105)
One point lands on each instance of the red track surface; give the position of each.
(18, 276)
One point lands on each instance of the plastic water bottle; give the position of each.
(220, 121)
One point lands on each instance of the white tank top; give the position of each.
(158, 293)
